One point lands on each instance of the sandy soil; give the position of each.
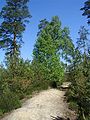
(43, 106)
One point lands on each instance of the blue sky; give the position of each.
(68, 12)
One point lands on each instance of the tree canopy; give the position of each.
(51, 46)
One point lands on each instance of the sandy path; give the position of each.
(42, 106)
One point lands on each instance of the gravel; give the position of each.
(43, 106)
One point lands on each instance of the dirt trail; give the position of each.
(42, 106)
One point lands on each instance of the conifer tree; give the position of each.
(14, 16)
(80, 76)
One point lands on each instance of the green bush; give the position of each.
(18, 87)
(9, 101)
(79, 91)
(38, 85)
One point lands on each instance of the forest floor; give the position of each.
(44, 106)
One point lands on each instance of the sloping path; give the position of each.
(42, 106)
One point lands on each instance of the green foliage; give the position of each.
(50, 47)
(79, 91)
(83, 41)
(3, 72)
(8, 99)
(14, 89)
(22, 80)
(15, 79)
(15, 14)
(86, 10)
(8, 102)
(39, 81)
(22, 69)
(79, 74)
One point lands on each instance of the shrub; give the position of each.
(9, 101)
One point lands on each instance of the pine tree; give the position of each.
(14, 14)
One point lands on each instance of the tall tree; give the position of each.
(47, 51)
(80, 76)
(83, 41)
(14, 14)
(86, 10)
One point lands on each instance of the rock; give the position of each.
(65, 85)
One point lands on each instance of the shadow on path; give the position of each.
(58, 118)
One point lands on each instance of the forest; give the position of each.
(56, 59)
